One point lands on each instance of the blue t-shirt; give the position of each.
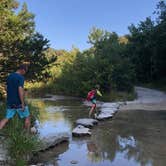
(14, 81)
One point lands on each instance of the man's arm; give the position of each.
(21, 95)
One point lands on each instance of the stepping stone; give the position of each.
(87, 122)
(81, 131)
(104, 115)
(73, 162)
(53, 140)
(108, 110)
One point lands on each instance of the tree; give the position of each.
(14, 29)
(20, 43)
(146, 46)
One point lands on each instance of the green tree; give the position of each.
(20, 43)
(104, 63)
(146, 46)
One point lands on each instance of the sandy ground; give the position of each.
(147, 99)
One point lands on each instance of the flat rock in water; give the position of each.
(111, 105)
(87, 122)
(39, 164)
(104, 115)
(108, 110)
(73, 162)
(81, 131)
(52, 140)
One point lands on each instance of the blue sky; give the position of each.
(68, 22)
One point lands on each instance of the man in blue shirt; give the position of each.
(15, 97)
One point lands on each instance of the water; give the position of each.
(131, 138)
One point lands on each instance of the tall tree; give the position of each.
(147, 46)
(20, 43)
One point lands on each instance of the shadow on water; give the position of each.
(131, 138)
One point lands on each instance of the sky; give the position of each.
(67, 23)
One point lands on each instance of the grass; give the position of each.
(21, 144)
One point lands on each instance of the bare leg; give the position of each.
(28, 123)
(92, 110)
(3, 123)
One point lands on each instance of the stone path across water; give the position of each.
(107, 110)
(147, 99)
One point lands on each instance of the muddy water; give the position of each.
(131, 138)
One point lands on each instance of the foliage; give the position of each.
(105, 64)
(146, 46)
(20, 43)
(115, 62)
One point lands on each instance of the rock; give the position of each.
(39, 164)
(73, 162)
(52, 140)
(87, 122)
(33, 130)
(104, 115)
(108, 110)
(46, 143)
(110, 105)
(81, 131)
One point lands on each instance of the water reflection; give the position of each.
(93, 153)
(54, 117)
(131, 138)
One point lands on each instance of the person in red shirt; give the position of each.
(92, 98)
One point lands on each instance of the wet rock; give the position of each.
(52, 140)
(108, 110)
(104, 115)
(81, 131)
(87, 122)
(110, 105)
(39, 164)
(49, 154)
(33, 130)
(74, 162)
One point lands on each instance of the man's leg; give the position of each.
(28, 123)
(9, 114)
(25, 115)
(3, 122)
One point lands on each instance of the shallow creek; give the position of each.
(130, 138)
